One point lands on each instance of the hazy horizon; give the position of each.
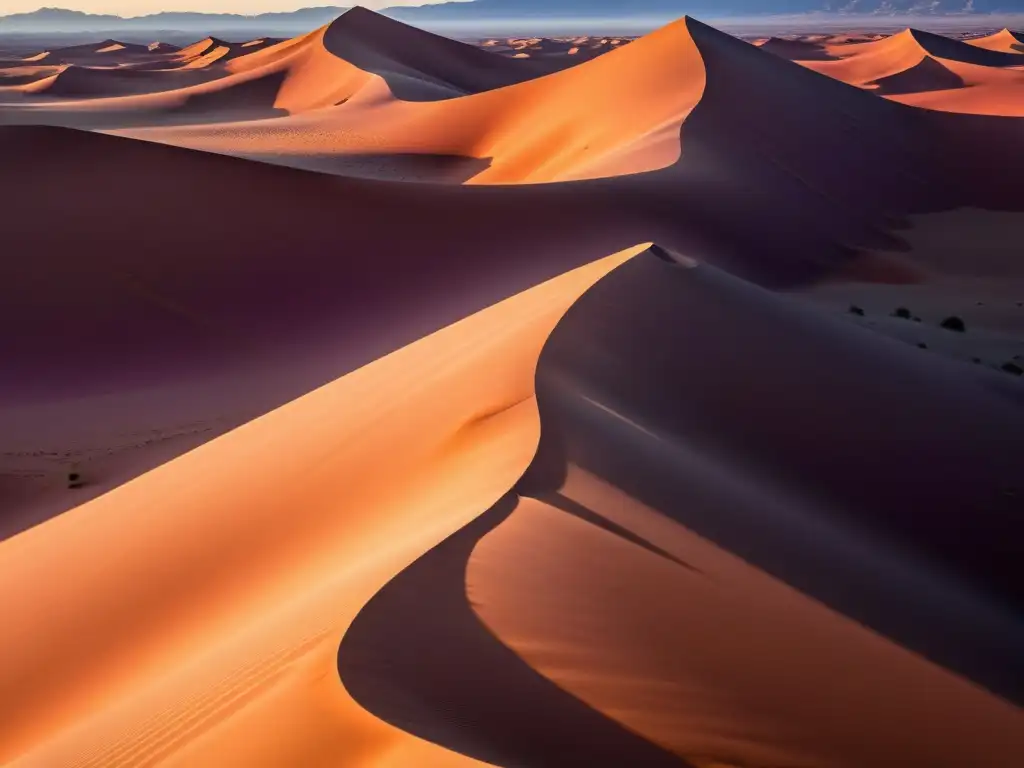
(132, 8)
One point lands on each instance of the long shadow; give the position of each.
(418, 65)
(582, 512)
(883, 484)
(419, 658)
(929, 75)
(395, 166)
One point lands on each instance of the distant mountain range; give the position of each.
(62, 20)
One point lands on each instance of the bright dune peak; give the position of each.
(619, 113)
(1004, 40)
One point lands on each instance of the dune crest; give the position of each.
(335, 437)
(603, 525)
(1003, 41)
(511, 127)
(256, 531)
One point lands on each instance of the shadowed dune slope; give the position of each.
(324, 68)
(84, 82)
(970, 523)
(663, 529)
(795, 50)
(106, 52)
(419, 658)
(669, 443)
(814, 169)
(214, 299)
(408, 59)
(567, 125)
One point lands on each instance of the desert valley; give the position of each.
(372, 398)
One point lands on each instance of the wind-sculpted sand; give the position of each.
(982, 76)
(353, 419)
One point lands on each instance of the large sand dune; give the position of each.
(302, 464)
(981, 76)
(1003, 41)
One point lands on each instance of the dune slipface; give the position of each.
(305, 464)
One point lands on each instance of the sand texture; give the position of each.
(376, 399)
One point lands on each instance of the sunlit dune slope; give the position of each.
(321, 69)
(817, 172)
(197, 611)
(214, 50)
(215, 299)
(920, 68)
(861, 63)
(656, 561)
(567, 125)
(635, 571)
(304, 469)
(1003, 41)
(813, 168)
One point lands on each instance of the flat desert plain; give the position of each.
(376, 399)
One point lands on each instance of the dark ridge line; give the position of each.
(418, 657)
(565, 504)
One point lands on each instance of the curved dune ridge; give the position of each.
(269, 641)
(982, 76)
(1003, 41)
(635, 488)
(563, 126)
(566, 125)
(310, 466)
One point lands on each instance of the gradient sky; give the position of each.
(142, 7)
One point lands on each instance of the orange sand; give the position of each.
(187, 607)
(221, 583)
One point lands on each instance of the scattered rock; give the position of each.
(954, 323)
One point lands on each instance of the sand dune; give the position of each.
(309, 469)
(157, 343)
(104, 52)
(920, 68)
(653, 466)
(510, 127)
(265, 78)
(698, 474)
(267, 640)
(81, 82)
(212, 49)
(556, 52)
(1003, 41)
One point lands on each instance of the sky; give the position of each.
(143, 7)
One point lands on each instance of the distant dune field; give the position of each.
(371, 398)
